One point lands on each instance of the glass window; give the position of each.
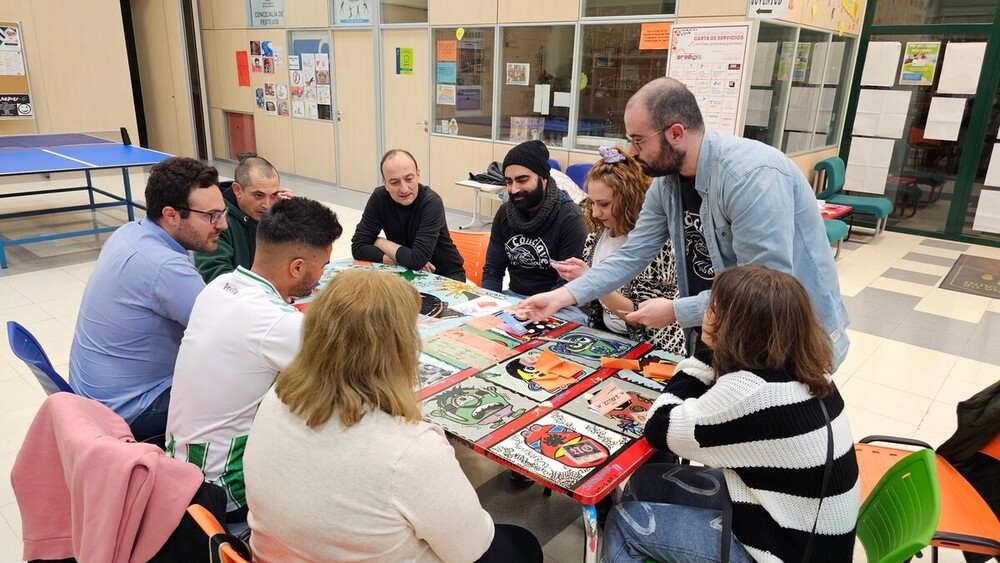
(903, 12)
(806, 95)
(773, 62)
(310, 82)
(836, 81)
(612, 68)
(537, 64)
(463, 85)
(404, 11)
(604, 8)
(351, 12)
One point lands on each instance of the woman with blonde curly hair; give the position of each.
(616, 187)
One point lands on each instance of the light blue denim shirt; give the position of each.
(757, 208)
(132, 317)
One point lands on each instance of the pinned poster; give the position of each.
(993, 172)
(881, 63)
(562, 99)
(654, 36)
(447, 73)
(243, 68)
(988, 211)
(944, 118)
(868, 165)
(542, 97)
(881, 113)
(919, 63)
(447, 51)
(446, 94)
(960, 71)
(404, 61)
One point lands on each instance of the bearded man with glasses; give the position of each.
(722, 201)
(139, 296)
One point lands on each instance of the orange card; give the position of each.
(659, 372)
(447, 51)
(565, 369)
(547, 361)
(552, 382)
(620, 363)
(483, 323)
(655, 36)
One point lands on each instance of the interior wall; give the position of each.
(77, 66)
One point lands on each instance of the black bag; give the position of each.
(493, 175)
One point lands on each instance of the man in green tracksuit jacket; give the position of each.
(255, 189)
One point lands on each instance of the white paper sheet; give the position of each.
(542, 98)
(759, 108)
(834, 62)
(960, 72)
(881, 63)
(987, 212)
(802, 102)
(763, 64)
(993, 171)
(944, 118)
(562, 99)
(881, 113)
(868, 165)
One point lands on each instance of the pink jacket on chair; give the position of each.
(85, 489)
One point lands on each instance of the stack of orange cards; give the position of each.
(659, 372)
(555, 371)
(619, 363)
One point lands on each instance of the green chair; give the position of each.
(900, 515)
(836, 174)
(836, 232)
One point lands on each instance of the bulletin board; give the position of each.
(15, 95)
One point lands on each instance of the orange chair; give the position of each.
(223, 547)
(967, 522)
(472, 247)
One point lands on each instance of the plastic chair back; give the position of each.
(28, 350)
(900, 515)
(472, 247)
(224, 548)
(578, 173)
(554, 164)
(835, 172)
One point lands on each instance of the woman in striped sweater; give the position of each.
(755, 417)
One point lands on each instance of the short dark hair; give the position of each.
(669, 101)
(299, 220)
(171, 181)
(253, 164)
(764, 320)
(393, 152)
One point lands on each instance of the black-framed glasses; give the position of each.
(637, 143)
(213, 216)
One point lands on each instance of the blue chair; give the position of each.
(836, 232)
(555, 164)
(27, 348)
(836, 173)
(577, 173)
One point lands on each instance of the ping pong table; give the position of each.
(22, 155)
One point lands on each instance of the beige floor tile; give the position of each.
(867, 423)
(935, 251)
(62, 307)
(851, 288)
(939, 419)
(49, 330)
(886, 401)
(900, 286)
(915, 356)
(80, 271)
(955, 390)
(12, 516)
(10, 298)
(46, 285)
(986, 251)
(25, 314)
(889, 372)
(974, 372)
(10, 545)
(994, 306)
(922, 267)
(479, 469)
(18, 394)
(567, 546)
(954, 305)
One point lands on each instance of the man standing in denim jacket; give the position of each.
(723, 201)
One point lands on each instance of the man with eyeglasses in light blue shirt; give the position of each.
(722, 201)
(139, 296)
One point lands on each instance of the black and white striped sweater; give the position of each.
(769, 437)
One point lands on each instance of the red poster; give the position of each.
(243, 68)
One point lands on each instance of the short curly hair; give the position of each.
(628, 184)
(171, 181)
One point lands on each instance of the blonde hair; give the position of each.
(359, 351)
(628, 185)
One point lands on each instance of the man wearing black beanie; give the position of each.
(539, 225)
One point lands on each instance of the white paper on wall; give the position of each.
(960, 72)
(800, 142)
(944, 118)
(542, 97)
(868, 165)
(802, 103)
(759, 108)
(562, 99)
(834, 63)
(988, 211)
(993, 171)
(881, 113)
(881, 63)
(763, 63)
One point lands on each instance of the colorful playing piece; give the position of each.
(627, 417)
(658, 371)
(484, 323)
(619, 363)
(518, 377)
(512, 325)
(589, 346)
(608, 399)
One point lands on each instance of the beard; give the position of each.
(667, 162)
(529, 200)
(190, 239)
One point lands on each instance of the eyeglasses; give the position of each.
(637, 143)
(213, 216)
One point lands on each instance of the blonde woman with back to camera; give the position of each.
(339, 465)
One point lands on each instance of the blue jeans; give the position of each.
(151, 425)
(670, 513)
(572, 313)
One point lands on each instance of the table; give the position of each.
(473, 384)
(22, 155)
(479, 189)
(835, 211)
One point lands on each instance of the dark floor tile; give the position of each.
(930, 338)
(913, 277)
(880, 303)
(929, 259)
(545, 516)
(937, 243)
(944, 325)
(877, 326)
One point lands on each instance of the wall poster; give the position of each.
(711, 60)
(15, 94)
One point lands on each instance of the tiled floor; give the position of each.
(916, 351)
